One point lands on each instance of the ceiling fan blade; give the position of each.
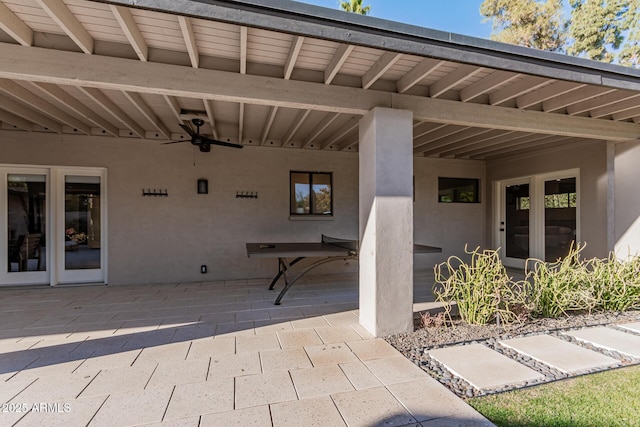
(187, 129)
(174, 142)
(222, 143)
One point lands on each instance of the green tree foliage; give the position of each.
(603, 30)
(530, 23)
(355, 6)
(597, 28)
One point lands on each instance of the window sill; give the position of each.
(310, 217)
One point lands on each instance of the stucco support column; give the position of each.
(386, 221)
(611, 193)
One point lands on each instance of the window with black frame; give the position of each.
(458, 190)
(311, 193)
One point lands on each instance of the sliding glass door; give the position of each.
(52, 225)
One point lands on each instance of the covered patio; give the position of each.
(209, 354)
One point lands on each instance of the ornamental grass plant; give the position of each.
(483, 292)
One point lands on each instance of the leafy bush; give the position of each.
(616, 283)
(481, 289)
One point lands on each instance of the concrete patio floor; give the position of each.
(210, 354)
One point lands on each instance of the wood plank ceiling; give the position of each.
(108, 30)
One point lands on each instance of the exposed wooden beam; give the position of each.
(131, 31)
(460, 146)
(39, 104)
(514, 90)
(189, 40)
(267, 127)
(616, 108)
(548, 147)
(417, 73)
(436, 147)
(341, 55)
(349, 126)
(631, 113)
(422, 143)
(147, 112)
(326, 121)
(574, 97)
(59, 12)
(244, 36)
(173, 106)
(521, 148)
(15, 27)
(449, 81)
(296, 45)
(27, 113)
(78, 107)
(208, 107)
(548, 92)
(517, 141)
(69, 68)
(302, 116)
(423, 128)
(116, 112)
(487, 84)
(16, 121)
(378, 69)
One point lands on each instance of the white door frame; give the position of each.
(63, 276)
(24, 277)
(536, 212)
(55, 272)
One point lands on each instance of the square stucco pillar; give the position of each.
(386, 221)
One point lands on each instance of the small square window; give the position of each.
(311, 193)
(458, 190)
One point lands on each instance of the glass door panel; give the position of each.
(516, 227)
(560, 224)
(24, 203)
(80, 246)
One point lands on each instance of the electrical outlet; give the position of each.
(203, 269)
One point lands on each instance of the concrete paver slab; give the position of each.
(336, 334)
(634, 326)
(138, 407)
(201, 398)
(330, 354)
(427, 399)
(234, 365)
(610, 339)
(560, 354)
(256, 390)
(392, 370)
(299, 338)
(360, 376)
(284, 360)
(371, 407)
(320, 381)
(212, 347)
(258, 416)
(317, 412)
(482, 367)
(255, 343)
(120, 380)
(372, 349)
(178, 422)
(179, 372)
(54, 388)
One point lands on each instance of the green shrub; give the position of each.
(616, 283)
(481, 289)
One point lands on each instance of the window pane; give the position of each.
(27, 214)
(82, 222)
(300, 189)
(458, 190)
(322, 193)
(559, 217)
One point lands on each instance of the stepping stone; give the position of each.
(634, 327)
(562, 355)
(482, 367)
(609, 339)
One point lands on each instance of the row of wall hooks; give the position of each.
(155, 193)
(246, 194)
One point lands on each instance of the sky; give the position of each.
(456, 16)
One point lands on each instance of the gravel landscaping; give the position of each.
(413, 345)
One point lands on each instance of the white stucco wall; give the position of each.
(627, 199)
(591, 159)
(164, 240)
